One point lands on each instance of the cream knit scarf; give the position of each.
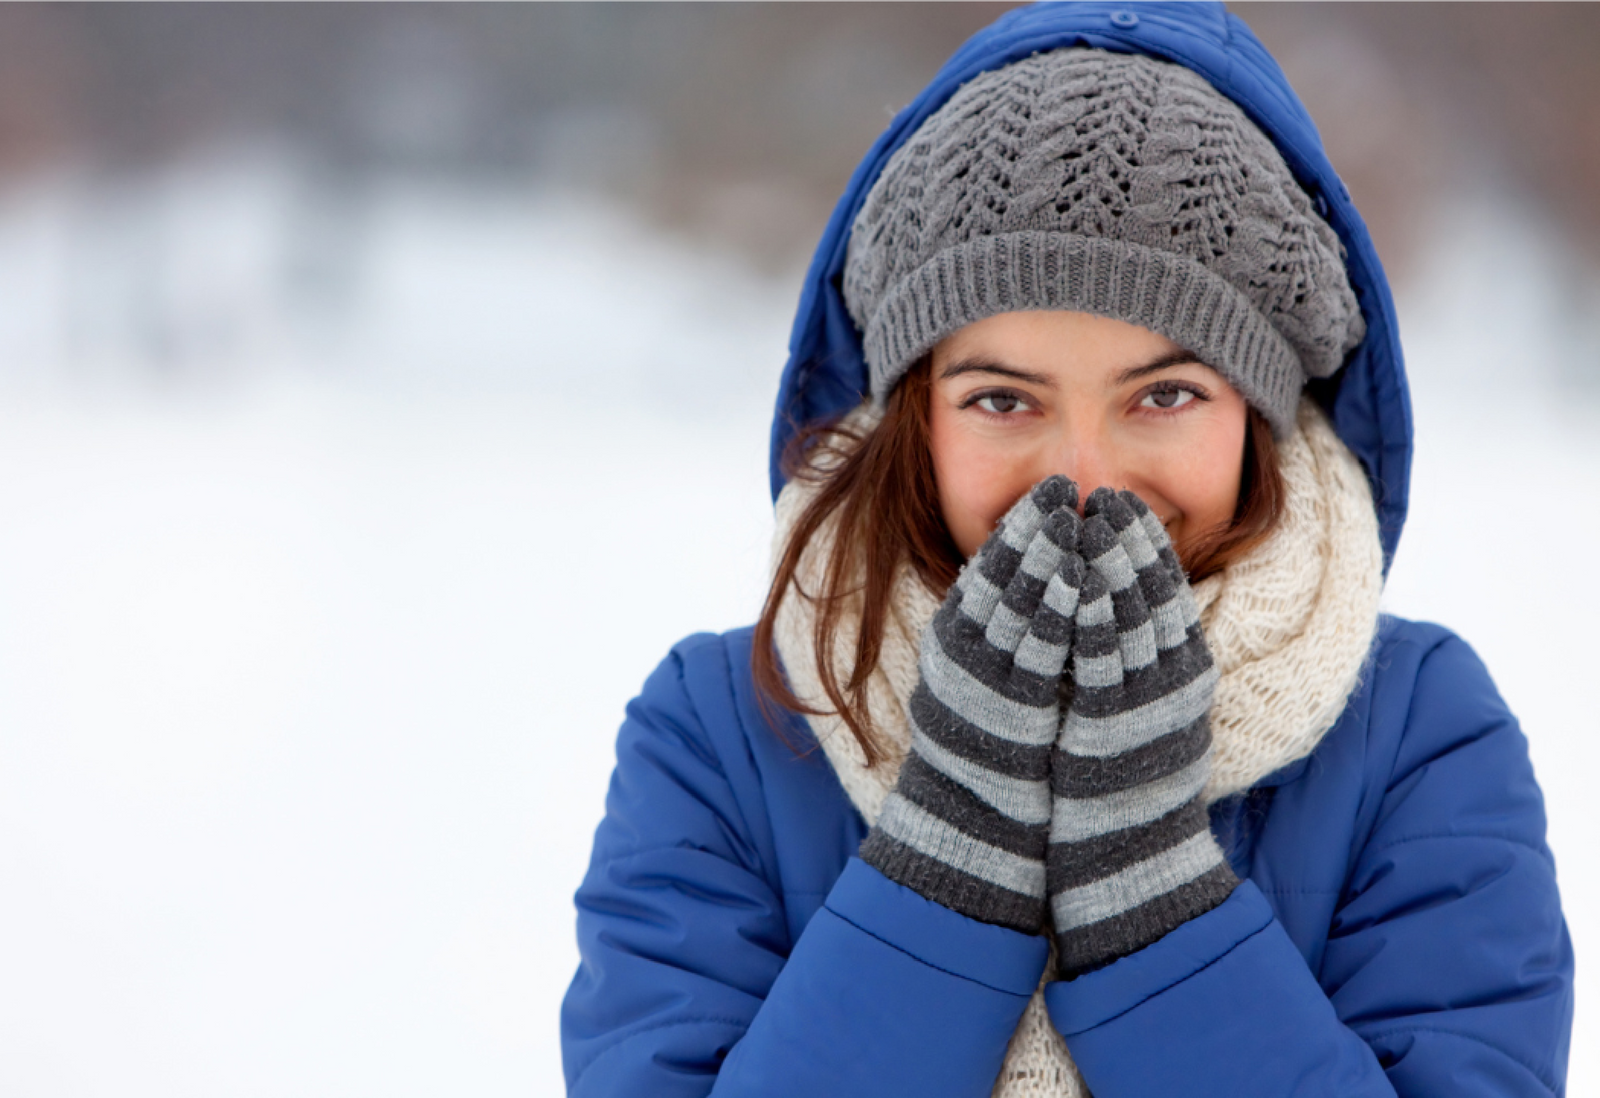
(1289, 627)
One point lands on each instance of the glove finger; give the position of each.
(1028, 515)
(1141, 510)
(1096, 662)
(1055, 493)
(1044, 650)
(1124, 515)
(972, 665)
(1166, 591)
(1159, 539)
(1103, 551)
(1166, 588)
(1122, 508)
(1097, 502)
(1064, 526)
(1144, 530)
(1020, 599)
(1136, 637)
(987, 574)
(1124, 512)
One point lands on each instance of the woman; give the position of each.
(1071, 753)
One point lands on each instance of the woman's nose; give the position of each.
(1090, 463)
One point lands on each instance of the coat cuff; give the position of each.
(993, 956)
(1097, 997)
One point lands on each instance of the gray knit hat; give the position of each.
(1110, 184)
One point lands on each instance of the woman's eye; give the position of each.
(1167, 399)
(1000, 404)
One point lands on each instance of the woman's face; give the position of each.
(1020, 396)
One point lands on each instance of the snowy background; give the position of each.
(338, 524)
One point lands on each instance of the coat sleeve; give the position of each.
(689, 982)
(1447, 970)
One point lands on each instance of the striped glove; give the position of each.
(1131, 855)
(968, 820)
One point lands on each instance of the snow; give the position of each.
(336, 530)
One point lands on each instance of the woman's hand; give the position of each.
(968, 821)
(1131, 855)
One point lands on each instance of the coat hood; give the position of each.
(1367, 400)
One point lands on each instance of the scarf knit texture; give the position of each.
(1289, 627)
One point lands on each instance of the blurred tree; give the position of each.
(743, 120)
(1416, 101)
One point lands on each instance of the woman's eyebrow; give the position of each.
(1176, 358)
(989, 366)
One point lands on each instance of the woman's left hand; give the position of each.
(1131, 855)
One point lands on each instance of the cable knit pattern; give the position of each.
(1110, 184)
(1289, 628)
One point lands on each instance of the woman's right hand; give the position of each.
(968, 822)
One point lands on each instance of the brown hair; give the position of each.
(878, 491)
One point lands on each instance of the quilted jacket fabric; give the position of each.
(1398, 932)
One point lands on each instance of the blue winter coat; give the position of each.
(1398, 930)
